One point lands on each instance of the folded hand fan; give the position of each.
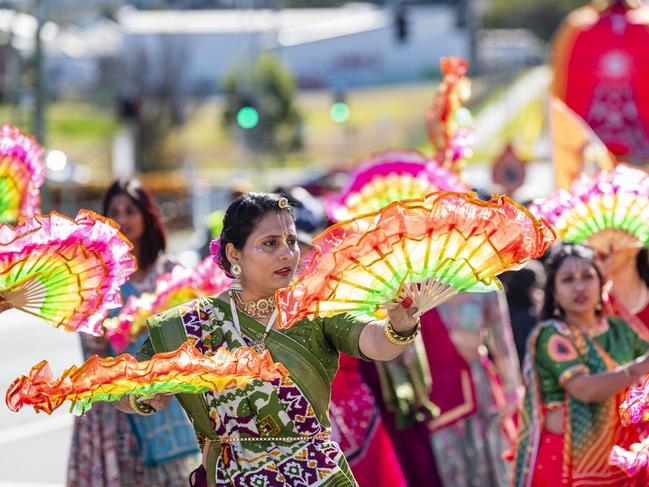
(450, 123)
(428, 249)
(389, 176)
(65, 271)
(179, 286)
(107, 379)
(22, 172)
(608, 211)
(632, 461)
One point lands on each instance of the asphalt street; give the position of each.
(33, 447)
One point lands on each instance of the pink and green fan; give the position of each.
(186, 370)
(179, 286)
(65, 271)
(389, 176)
(608, 211)
(22, 173)
(425, 250)
(633, 461)
(633, 410)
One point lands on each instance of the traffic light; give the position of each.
(339, 110)
(247, 117)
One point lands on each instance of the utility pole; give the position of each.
(39, 85)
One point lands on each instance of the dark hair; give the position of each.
(240, 220)
(154, 239)
(560, 253)
(519, 284)
(642, 263)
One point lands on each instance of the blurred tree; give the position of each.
(269, 88)
(540, 17)
(147, 88)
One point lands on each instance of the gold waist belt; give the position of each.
(279, 439)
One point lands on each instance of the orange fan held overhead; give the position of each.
(425, 250)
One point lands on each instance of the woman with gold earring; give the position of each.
(579, 363)
(269, 433)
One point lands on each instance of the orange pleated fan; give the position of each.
(428, 249)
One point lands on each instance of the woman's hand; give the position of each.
(640, 367)
(402, 317)
(158, 402)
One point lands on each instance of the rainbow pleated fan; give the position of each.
(608, 211)
(427, 249)
(450, 123)
(179, 286)
(22, 173)
(65, 271)
(107, 379)
(389, 176)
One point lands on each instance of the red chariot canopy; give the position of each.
(601, 72)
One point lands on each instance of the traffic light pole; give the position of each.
(39, 85)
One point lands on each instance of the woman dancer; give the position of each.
(578, 364)
(268, 433)
(109, 448)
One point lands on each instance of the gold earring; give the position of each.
(556, 311)
(235, 270)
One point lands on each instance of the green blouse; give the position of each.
(558, 359)
(309, 349)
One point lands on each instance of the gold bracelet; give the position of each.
(138, 407)
(396, 339)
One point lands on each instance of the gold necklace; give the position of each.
(259, 309)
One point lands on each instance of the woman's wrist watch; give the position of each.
(397, 339)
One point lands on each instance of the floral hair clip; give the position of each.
(282, 203)
(215, 249)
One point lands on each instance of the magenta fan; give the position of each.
(179, 286)
(607, 211)
(22, 173)
(388, 176)
(65, 271)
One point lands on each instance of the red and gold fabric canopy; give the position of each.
(601, 72)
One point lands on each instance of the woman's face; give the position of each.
(270, 256)
(577, 287)
(128, 216)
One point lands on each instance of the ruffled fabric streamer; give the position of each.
(108, 379)
(65, 271)
(608, 211)
(425, 249)
(179, 286)
(22, 173)
(388, 176)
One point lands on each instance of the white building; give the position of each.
(352, 45)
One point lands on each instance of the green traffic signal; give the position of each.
(339, 112)
(247, 117)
